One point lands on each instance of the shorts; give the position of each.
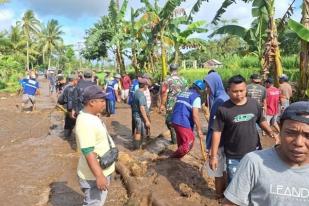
(124, 94)
(221, 165)
(272, 119)
(93, 196)
(28, 98)
(140, 127)
(231, 168)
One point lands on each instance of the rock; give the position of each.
(185, 190)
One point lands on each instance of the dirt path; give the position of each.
(38, 166)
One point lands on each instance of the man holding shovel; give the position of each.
(185, 115)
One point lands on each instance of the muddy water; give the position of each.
(38, 166)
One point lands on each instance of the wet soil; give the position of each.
(38, 165)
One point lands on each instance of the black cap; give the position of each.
(93, 92)
(269, 80)
(255, 77)
(173, 67)
(296, 111)
(87, 74)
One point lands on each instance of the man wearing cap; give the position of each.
(256, 91)
(278, 175)
(30, 89)
(66, 99)
(185, 116)
(171, 87)
(286, 92)
(140, 113)
(82, 84)
(112, 95)
(273, 102)
(92, 141)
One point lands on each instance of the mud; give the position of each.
(38, 165)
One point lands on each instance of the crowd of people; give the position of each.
(240, 115)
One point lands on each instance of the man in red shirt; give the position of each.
(125, 86)
(273, 102)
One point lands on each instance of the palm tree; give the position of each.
(51, 39)
(29, 25)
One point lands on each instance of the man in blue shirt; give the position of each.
(185, 115)
(30, 89)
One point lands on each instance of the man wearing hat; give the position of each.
(272, 102)
(92, 141)
(171, 87)
(286, 91)
(112, 95)
(278, 175)
(256, 91)
(30, 89)
(140, 115)
(185, 116)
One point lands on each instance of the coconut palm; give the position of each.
(51, 38)
(30, 26)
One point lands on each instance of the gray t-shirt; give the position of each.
(264, 179)
(257, 92)
(139, 99)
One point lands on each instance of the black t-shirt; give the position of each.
(238, 126)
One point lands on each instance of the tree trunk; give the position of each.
(271, 57)
(134, 58)
(177, 52)
(49, 60)
(43, 57)
(163, 57)
(27, 55)
(303, 83)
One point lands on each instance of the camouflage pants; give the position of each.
(168, 122)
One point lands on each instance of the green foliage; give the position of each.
(10, 72)
(301, 31)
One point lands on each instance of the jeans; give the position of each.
(231, 168)
(93, 196)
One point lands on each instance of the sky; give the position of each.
(76, 16)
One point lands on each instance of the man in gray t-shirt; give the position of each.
(276, 176)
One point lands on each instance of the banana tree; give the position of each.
(302, 30)
(116, 16)
(270, 58)
(181, 38)
(166, 15)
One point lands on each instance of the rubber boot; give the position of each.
(67, 133)
(137, 144)
(173, 136)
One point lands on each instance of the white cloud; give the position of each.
(73, 9)
(7, 18)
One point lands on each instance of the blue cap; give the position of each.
(200, 84)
